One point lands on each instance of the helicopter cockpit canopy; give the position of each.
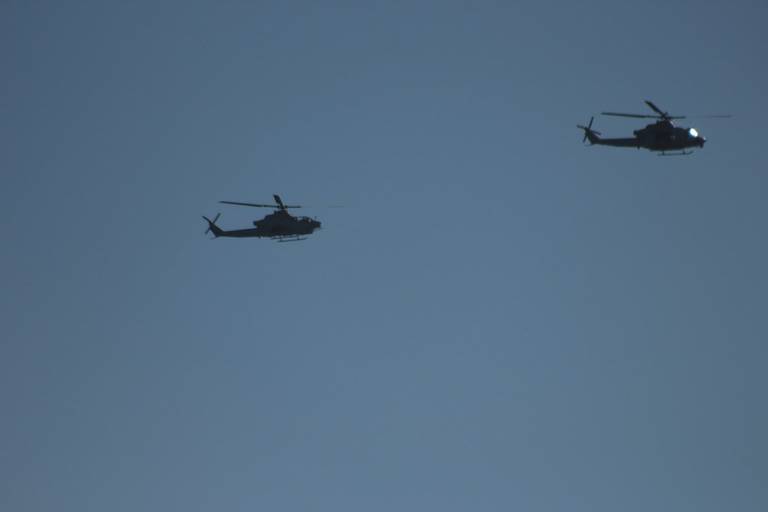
(693, 133)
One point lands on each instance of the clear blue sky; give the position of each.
(500, 320)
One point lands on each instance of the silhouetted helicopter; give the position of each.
(279, 225)
(660, 136)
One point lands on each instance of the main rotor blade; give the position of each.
(655, 108)
(712, 116)
(282, 205)
(620, 114)
(255, 205)
(641, 116)
(250, 204)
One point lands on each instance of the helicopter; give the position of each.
(278, 225)
(659, 136)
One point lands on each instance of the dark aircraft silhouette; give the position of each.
(660, 136)
(278, 225)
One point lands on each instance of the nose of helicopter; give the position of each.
(702, 140)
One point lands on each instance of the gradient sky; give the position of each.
(501, 319)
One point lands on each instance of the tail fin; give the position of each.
(589, 133)
(212, 227)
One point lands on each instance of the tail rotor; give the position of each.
(212, 225)
(589, 133)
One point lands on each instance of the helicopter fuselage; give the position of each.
(282, 223)
(279, 224)
(659, 136)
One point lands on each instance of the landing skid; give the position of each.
(681, 153)
(290, 239)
